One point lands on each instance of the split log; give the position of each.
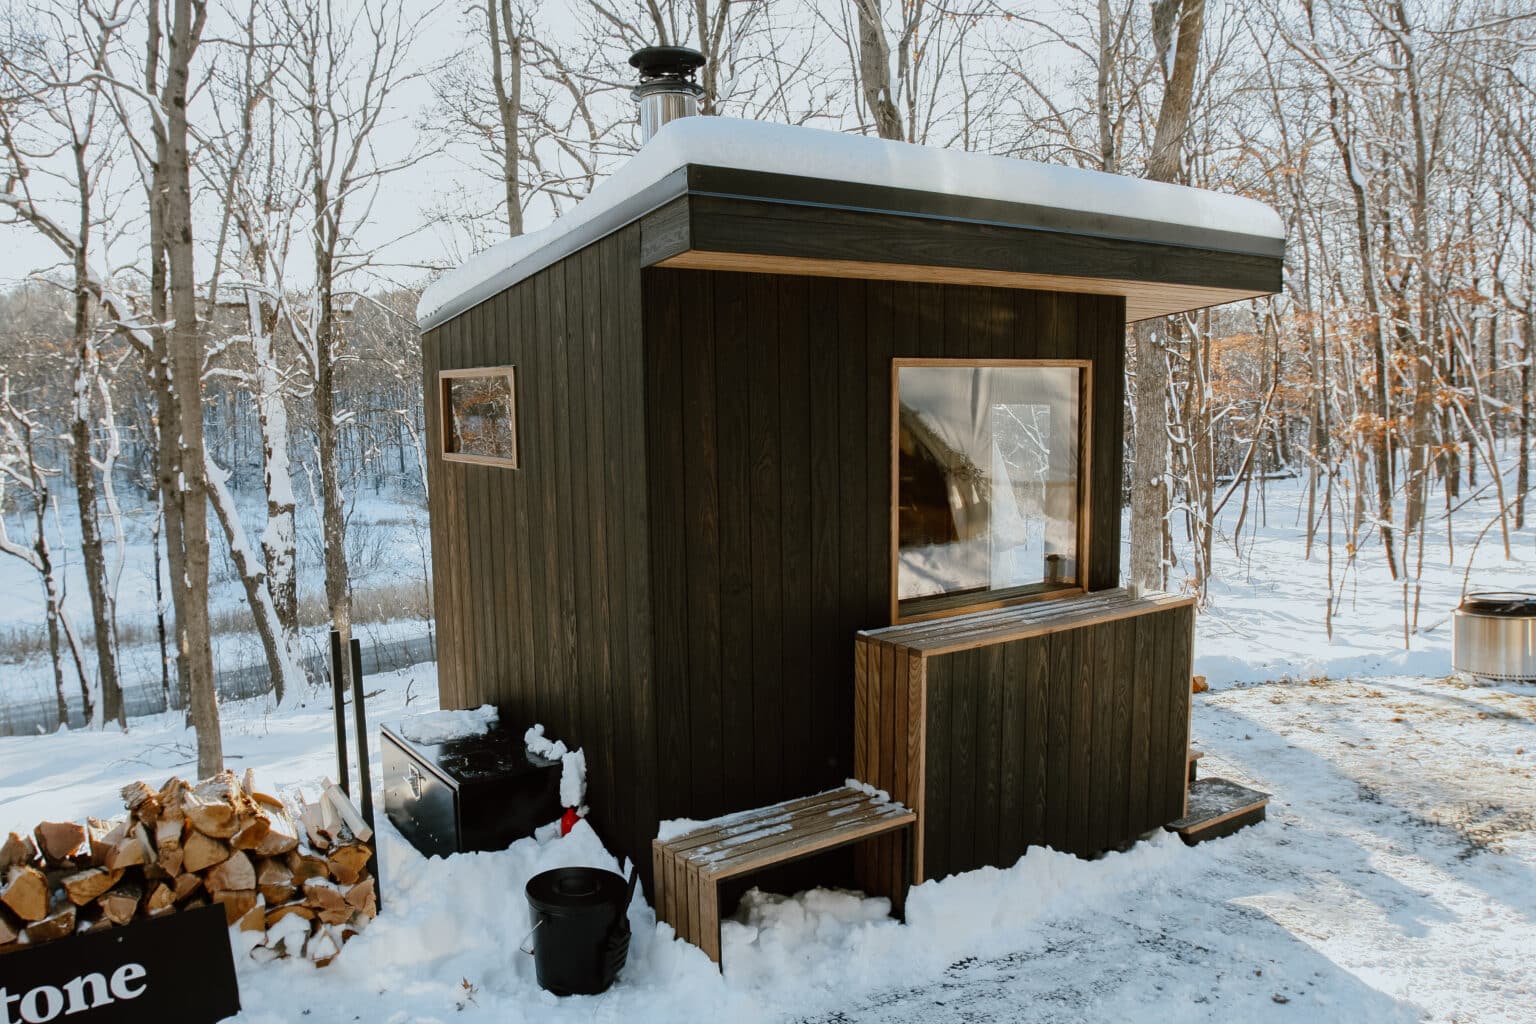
(295, 908)
(329, 902)
(168, 833)
(10, 928)
(84, 886)
(142, 802)
(306, 866)
(218, 807)
(255, 919)
(363, 898)
(133, 849)
(59, 840)
(275, 881)
(161, 898)
(201, 853)
(186, 885)
(57, 925)
(122, 903)
(253, 829)
(26, 892)
(234, 872)
(348, 812)
(282, 835)
(104, 837)
(171, 797)
(237, 903)
(171, 860)
(346, 863)
(17, 849)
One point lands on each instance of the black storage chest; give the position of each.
(473, 793)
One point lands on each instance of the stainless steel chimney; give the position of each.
(667, 90)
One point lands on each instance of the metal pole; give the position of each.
(339, 699)
(360, 716)
(364, 772)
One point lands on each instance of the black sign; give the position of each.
(173, 968)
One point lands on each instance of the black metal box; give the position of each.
(474, 793)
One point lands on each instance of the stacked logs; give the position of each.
(291, 873)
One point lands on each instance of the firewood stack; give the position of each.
(292, 873)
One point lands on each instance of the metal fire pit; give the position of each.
(1494, 636)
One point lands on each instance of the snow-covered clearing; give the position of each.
(1395, 879)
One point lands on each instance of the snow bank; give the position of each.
(801, 151)
(442, 726)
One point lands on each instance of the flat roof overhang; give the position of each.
(703, 217)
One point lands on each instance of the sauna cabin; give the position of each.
(789, 456)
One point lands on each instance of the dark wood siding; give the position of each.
(543, 573)
(768, 437)
(1048, 738)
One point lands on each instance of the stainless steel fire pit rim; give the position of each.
(1494, 636)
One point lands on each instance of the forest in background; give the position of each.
(225, 336)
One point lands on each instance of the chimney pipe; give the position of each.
(667, 90)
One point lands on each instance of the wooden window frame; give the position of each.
(445, 415)
(1084, 478)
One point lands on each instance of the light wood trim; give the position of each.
(1220, 818)
(445, 428)
(1061, 625)
(1143, 299)
(804, 846)
(1084, 476)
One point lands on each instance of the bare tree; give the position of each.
(339, 86)
(1177, 26)
(21, 465)
(39, 71)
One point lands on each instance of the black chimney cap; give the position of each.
(667, 62)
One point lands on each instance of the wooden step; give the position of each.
(1217, 808)
(1195, 754)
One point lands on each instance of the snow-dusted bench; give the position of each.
(690, 866)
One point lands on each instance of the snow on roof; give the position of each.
(813, 152)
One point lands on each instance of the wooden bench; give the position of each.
(690, 867)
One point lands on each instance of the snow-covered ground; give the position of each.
(1395, 878)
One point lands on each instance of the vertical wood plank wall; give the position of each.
(542, 573)
(768, 448)
(1074, 739)
(700, 522)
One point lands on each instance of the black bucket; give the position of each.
(580, 921)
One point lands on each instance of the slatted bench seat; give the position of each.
(690, 867)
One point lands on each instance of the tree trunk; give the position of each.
(1523, 469)
(509, 103)
(103, 605)
(1149, 479)
(875, 70)
(186, 478)
(279, 646)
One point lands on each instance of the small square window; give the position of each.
(480, 415)
(988, 483)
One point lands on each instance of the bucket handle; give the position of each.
(523, 946)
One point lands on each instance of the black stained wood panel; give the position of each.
(768, 426)
(1050, 760)
(542, 579)
(739, 225)
(700, 524)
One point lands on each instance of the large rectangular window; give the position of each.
(988, 482)
(480, 415)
